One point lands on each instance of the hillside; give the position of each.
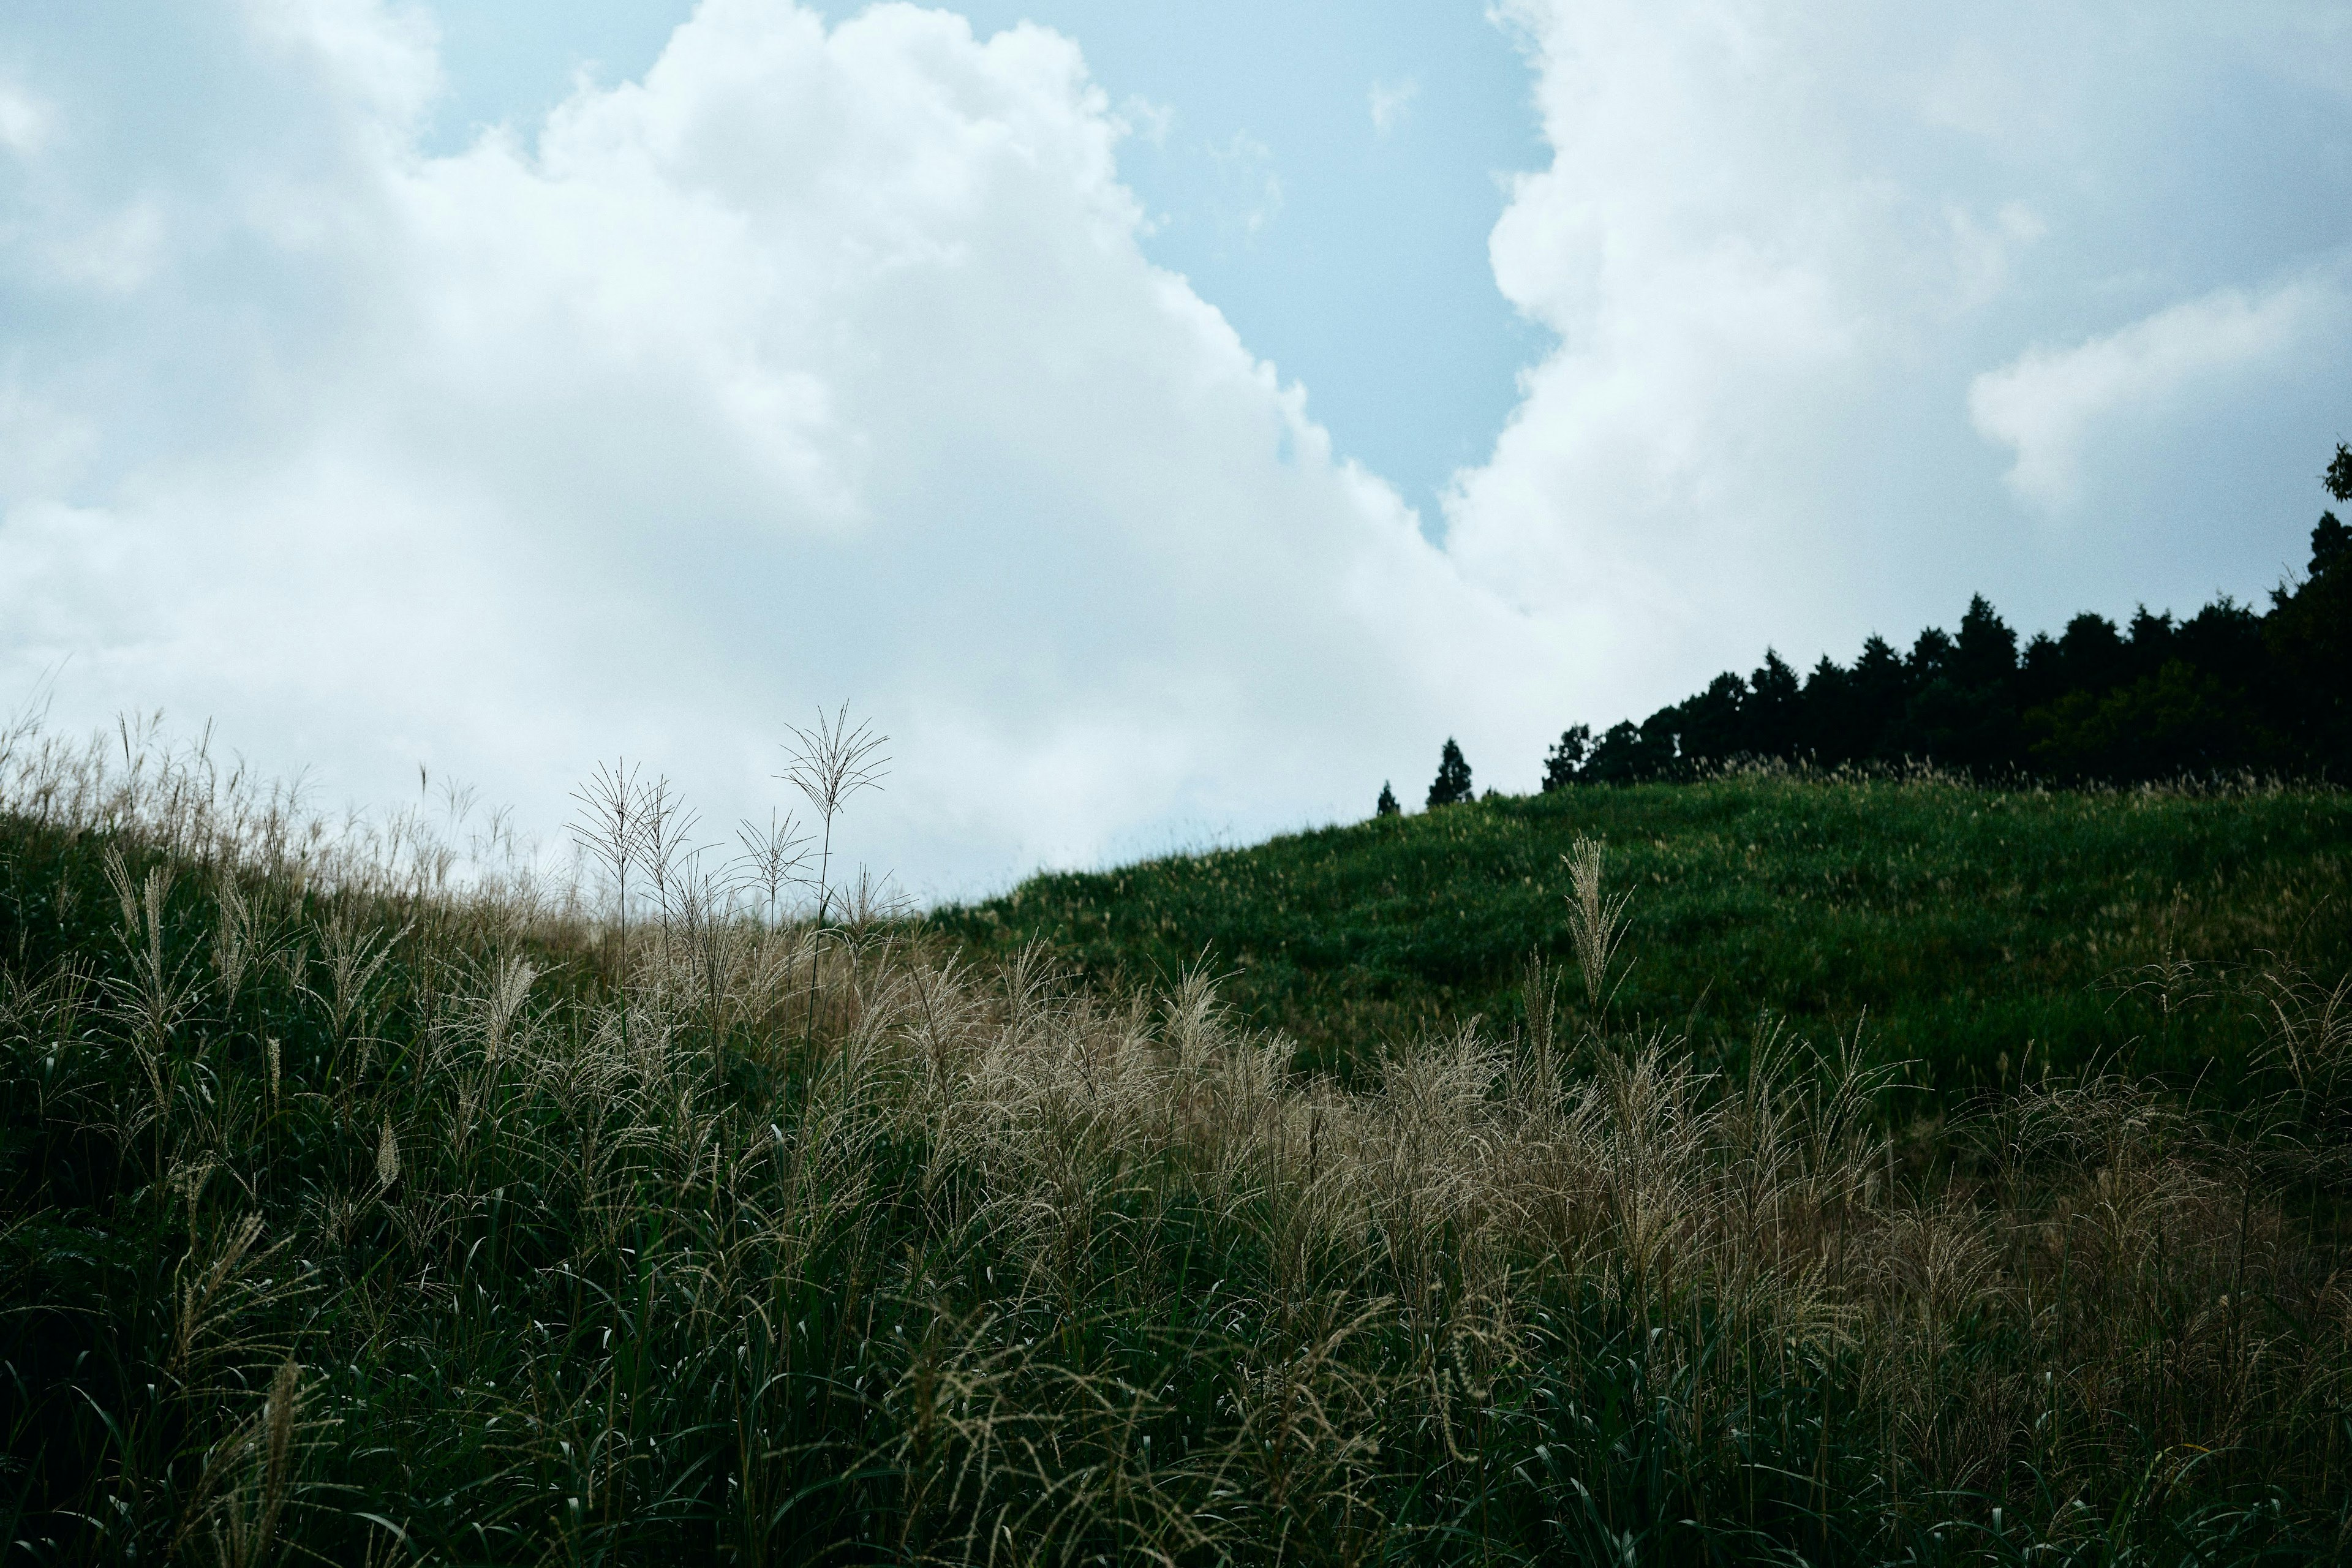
(346, 1217)
(1964, 923)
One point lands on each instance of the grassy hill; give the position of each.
(349, 1216)
(1969, 925)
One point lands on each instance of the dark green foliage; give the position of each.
(1961, 921)
(2307, 638)
(1562, 762)
(1713, 726)
(1628, 753)
(1986, 652)
(2091, 657)
(1452, 785)
(2227, 691)
(2329, 540)
(1387, 804)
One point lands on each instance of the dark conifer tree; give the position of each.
(1969, 717)
(2309, 635)
(1926, 723)
(2329, 540)
(1931, 657)
(1452, 785)
(1387, 804)
(2151, 640)
(1562, 762)
(2225, 641)
(1986, 652)
(1711, 725)
(1882, 684)
(2092, 655)
(1770, 713)
(2038, 676)
(1825, 726)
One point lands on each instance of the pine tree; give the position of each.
(1826, 727)
(1882, 684)
(1986, 651)
(1768, 717)
(1387, 806)
(1452, 785)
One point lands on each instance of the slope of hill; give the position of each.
(1966, 925)
(348, 1217)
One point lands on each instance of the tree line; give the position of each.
(2228, 689)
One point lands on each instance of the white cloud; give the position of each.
(1728, 276)
(1390, 102)
(2049, 404)
(1779, 246)
(819, 364)
(383, 59)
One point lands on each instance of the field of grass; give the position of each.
(1981, 932)
(349, 1216)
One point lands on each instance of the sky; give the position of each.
(1166, 423)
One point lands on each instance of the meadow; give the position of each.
(1977, 935)
(355, 1210)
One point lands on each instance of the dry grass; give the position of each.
(361, 1210)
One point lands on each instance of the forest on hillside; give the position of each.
(2229, 690)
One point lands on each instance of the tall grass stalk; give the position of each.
(830, 762)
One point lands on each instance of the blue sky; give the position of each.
(1167, 423)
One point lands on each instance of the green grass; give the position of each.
(1969, 926)
(346, 1217)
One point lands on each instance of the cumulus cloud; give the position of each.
(1780, 248)
(822, 362)
(1730, 277)
(2048, 405)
